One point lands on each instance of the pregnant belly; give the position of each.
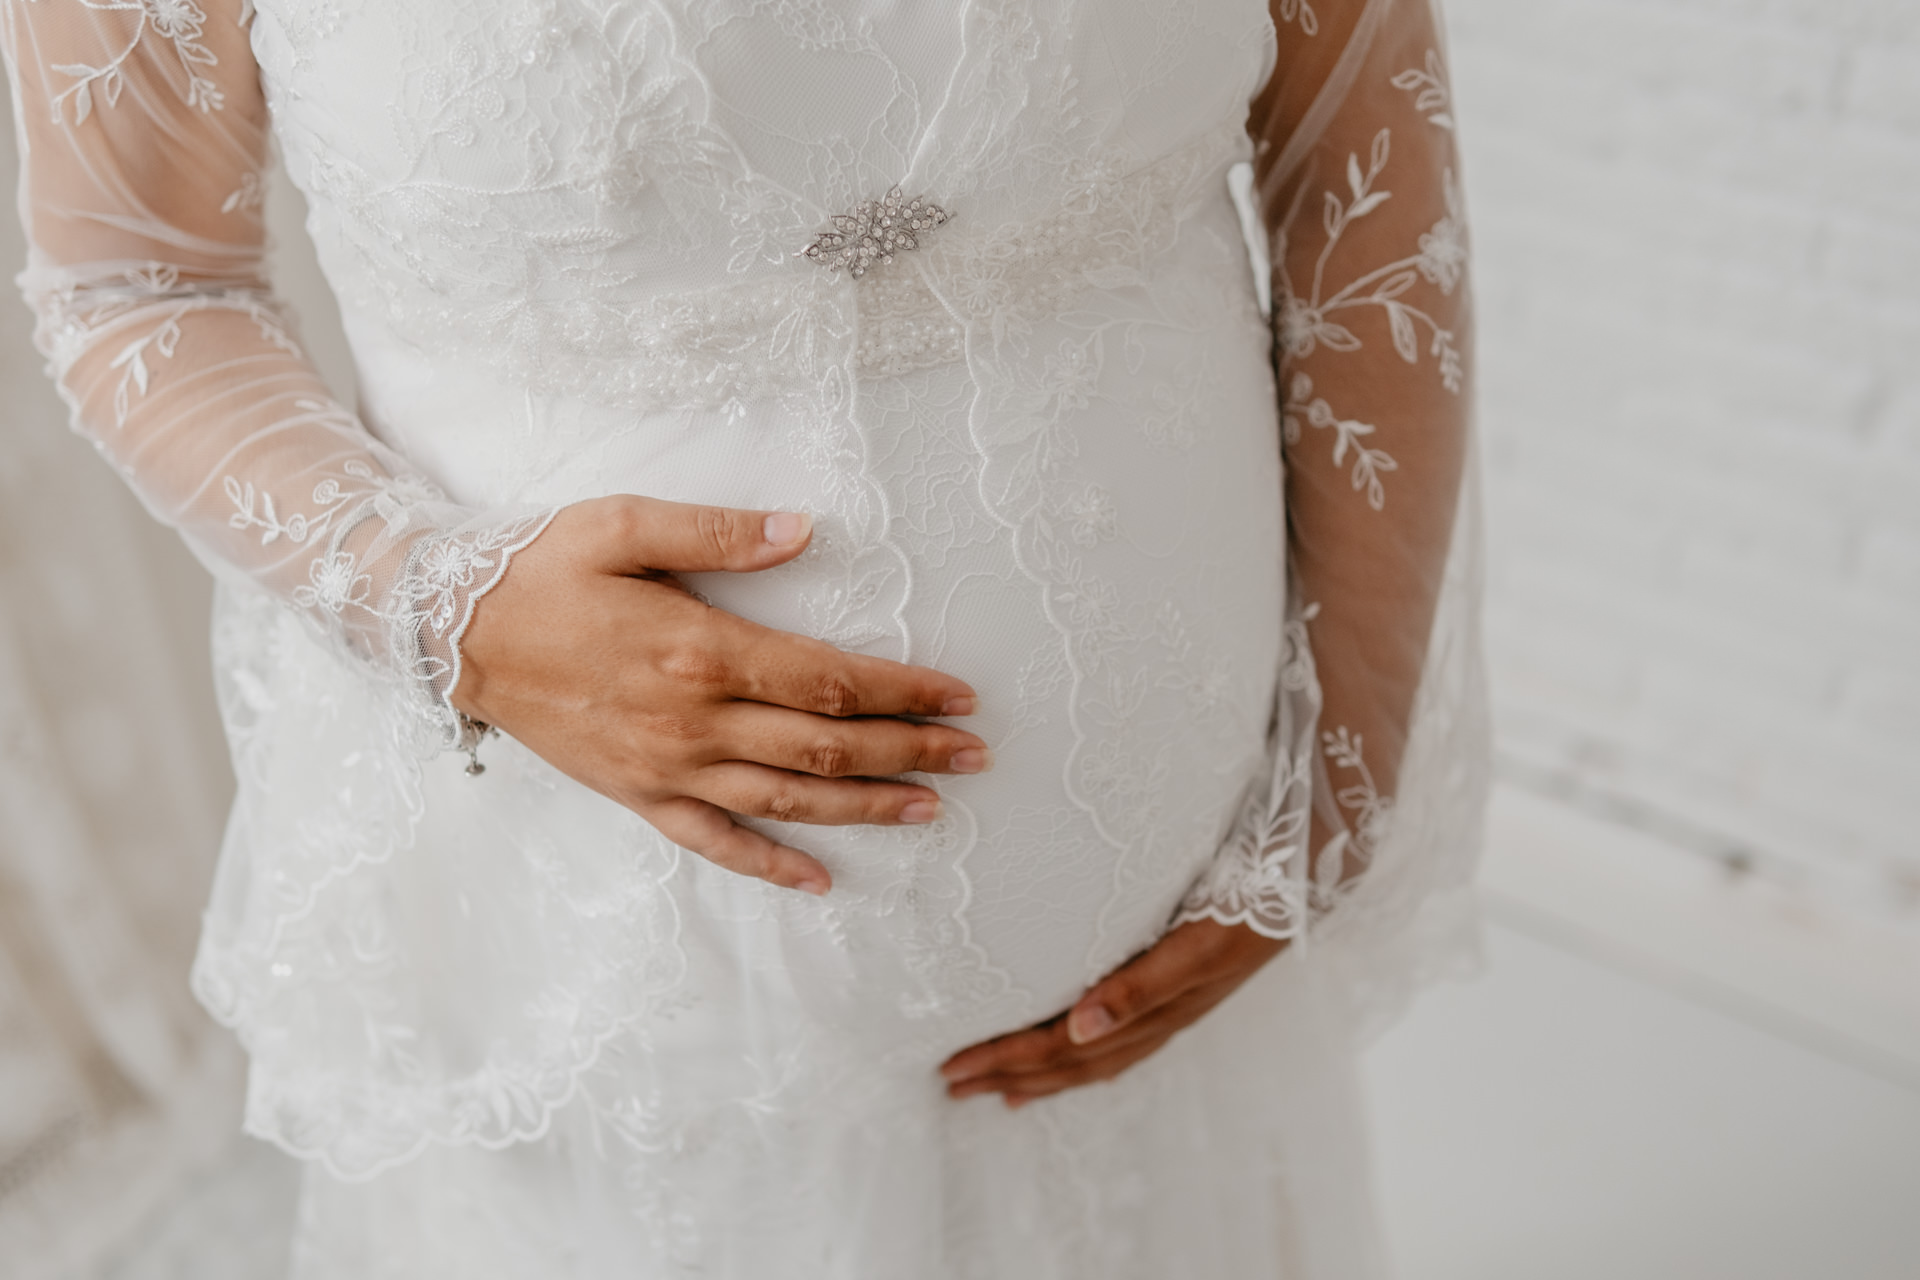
(1089, 532)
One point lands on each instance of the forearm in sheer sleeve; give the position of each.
(1355, 172)
(142, 134)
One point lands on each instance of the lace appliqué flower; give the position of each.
(428, 610)
(873, 232)
(1350, 434)
(181, 22)
(1259, 878)
(1263, 875)
(1372, 810)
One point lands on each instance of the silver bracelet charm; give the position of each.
(472, 734)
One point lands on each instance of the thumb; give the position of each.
(1135, 988)
(682, 537)
(1186, 957)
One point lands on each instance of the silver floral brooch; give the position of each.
(874, 232)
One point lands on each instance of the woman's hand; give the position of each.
(591, 654)
(1129, 1015)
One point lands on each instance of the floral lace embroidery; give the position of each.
(446, 576)
(1300, 11)
(72, 314)
(180, 22)
(1371, 810)
(714, 347)
(428, 608)
(1305, 322)
(1428, 84)
(1349, 434)
(1260, 878)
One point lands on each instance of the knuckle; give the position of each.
(881, 804)
(927, 696)
(689, 831)
(1014, 1058)
(783, 805)
(696, 668)
(637, 797)
(1071, 1077)
(716, 528)
(988, 1065)
(836, 696)
(1039, 1056)
(749, 858)
(640, 785)
(917, 752)
(829, 759)
(1028, 1052)
(933, 750)
(628, 516)
(677, 728)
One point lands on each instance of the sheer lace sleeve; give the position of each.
(1379, 732)
(143, 134)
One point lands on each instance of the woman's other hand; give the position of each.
(1128, 1016)
(592, 654)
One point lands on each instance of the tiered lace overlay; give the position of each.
(1222, 626)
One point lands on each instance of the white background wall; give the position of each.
(114, 787)
(1698, 235)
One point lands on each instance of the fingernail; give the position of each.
(919, 811)
(964, 706)
(954, 1075)
(972, 760)
(818, 888)
(1089, 1024)
(784, 528)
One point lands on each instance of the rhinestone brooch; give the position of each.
(874, 232)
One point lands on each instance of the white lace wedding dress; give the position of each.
(517, 1032)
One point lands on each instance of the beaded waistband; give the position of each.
(783, 336)
(799, 332)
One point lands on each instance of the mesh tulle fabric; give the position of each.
(1221, 607)
(143, 138)
(1365, 840)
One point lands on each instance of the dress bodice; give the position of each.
(565, 183)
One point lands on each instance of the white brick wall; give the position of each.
(1698, 229)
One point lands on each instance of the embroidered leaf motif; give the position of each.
(1403, 337)
(1367, 204)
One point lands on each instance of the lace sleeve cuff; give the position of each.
(442, 580)
(1262, 874)
(1258, 878)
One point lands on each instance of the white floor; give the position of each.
(1558, 1119)
(1562, 1120)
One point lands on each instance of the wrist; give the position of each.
(446, 588)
